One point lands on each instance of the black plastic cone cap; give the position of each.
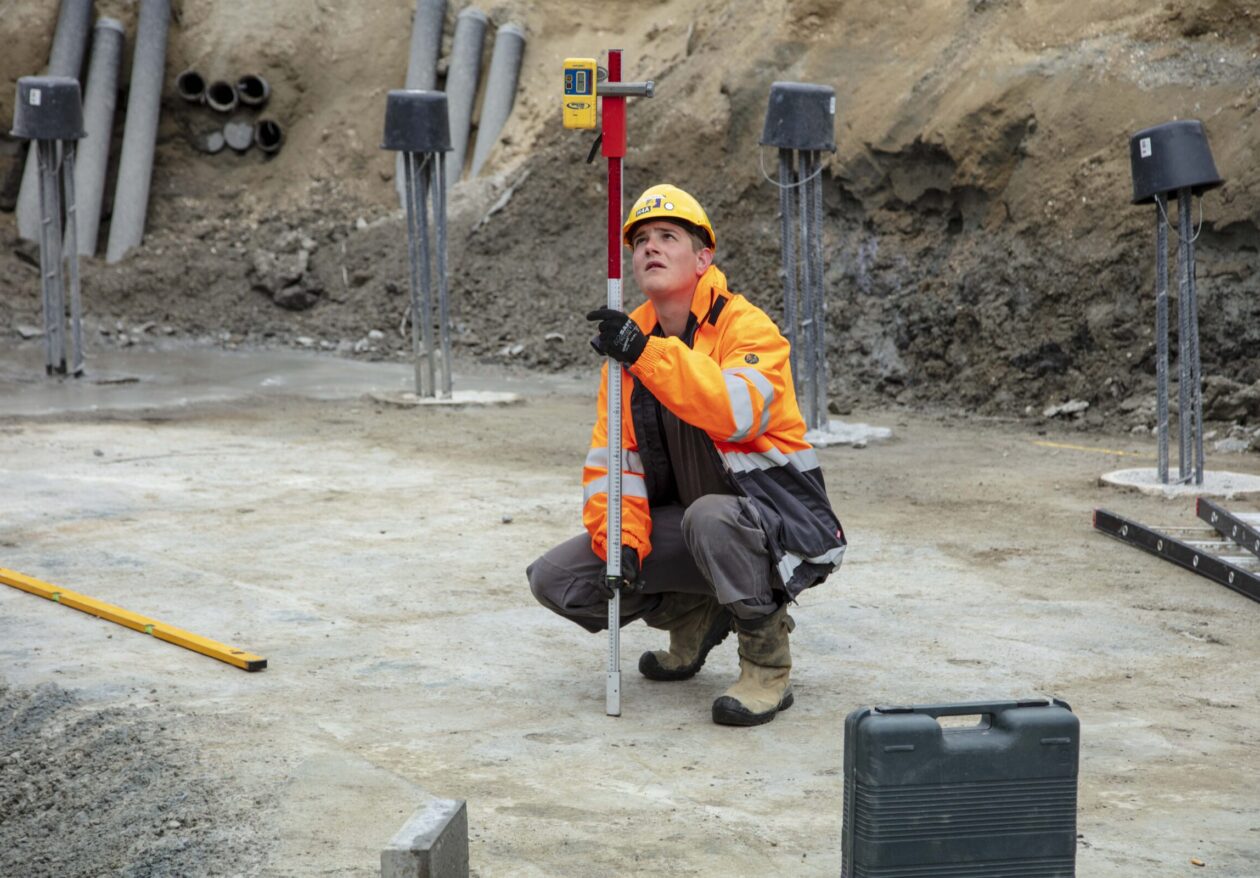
(416, 121)
(800, 116)
(48, 108)
(1169, 157)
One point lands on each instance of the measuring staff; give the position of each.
(581, 91)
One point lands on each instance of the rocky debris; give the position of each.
(1071, 408)
(1232, 445)
(1228, 400)
(283, 272)
(1138, 403)
(119, 789)
(1239, 440)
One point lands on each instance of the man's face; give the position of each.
(665, 259)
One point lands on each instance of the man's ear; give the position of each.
(704, 258)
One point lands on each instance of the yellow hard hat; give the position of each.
(667, 202)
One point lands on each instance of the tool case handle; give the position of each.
(973, 707)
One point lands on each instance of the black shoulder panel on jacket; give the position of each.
(716, 310)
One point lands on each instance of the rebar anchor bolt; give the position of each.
(801, 122)
(418, 126)
(49, 111)
(1174, 160)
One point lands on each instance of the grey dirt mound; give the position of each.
(88, 791)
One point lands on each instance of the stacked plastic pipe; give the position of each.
(250, 93)
(135, 162)
(463, 78)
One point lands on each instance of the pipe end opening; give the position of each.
(268, 135)
(191, 86)
(221, 96)
(253, 90)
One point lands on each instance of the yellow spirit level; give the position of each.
(579, 93)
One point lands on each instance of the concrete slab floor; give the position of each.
(178, 375)
(365, 550)
(1216, 483)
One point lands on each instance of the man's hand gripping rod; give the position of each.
(581, 91)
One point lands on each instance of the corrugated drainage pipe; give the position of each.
(191, 86)
(99, 102)
(74, 23)
(253, 90)
(461, 84)
(269, 136)
(496, 106)
(144, 104)
(221, 96)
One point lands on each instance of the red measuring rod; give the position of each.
(582, 87)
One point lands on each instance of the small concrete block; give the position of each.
(433, 843)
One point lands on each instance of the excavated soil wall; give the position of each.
(981, 250)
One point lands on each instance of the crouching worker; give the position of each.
(726, 518)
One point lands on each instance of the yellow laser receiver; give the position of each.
(579, 92)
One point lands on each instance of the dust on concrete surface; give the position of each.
(375, 555)
(113, 786)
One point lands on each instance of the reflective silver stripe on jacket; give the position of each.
(631, 486)
(739, 393)
(630, 460)
(744, 462)
(789, 562)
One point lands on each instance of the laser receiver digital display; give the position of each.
(579, 93)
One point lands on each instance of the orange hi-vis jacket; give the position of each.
(730, 377)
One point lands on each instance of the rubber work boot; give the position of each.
(696, 624)
(765, 662)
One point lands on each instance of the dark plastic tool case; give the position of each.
(994, 800)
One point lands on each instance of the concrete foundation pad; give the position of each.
(841, 433)
(1215, 484)
(433, 843)
(407, 399)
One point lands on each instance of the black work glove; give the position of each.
(619, 336)
(630, 568)
(629, 573)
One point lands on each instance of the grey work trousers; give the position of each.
(714, 547)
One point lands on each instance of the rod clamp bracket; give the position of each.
(627, 89)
